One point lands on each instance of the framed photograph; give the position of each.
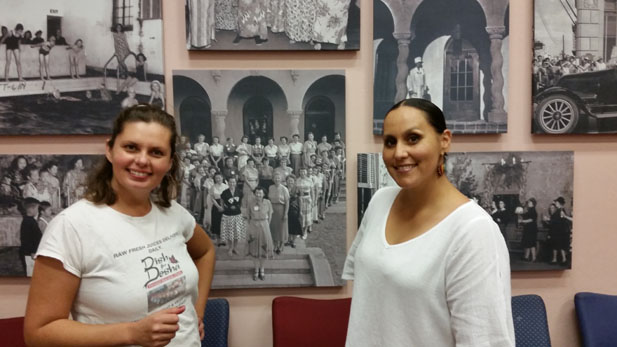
(528, 194)
(454, 54)
(33, 189)
(574, 84)
(279, 25)
(282, 131)
(69, 66)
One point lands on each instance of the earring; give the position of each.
(441, 168)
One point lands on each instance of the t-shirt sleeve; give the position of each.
(186, 220)
(478, 286)
(61, 241)
(349, 268)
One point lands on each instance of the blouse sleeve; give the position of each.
(349, 270)
(62, 242)
(478, 286)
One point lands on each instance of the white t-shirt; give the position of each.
(447, 287)
(129, 266)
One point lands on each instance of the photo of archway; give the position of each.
(34, 188)
(273, 25)
(574, 86)
(70, 66)
(451, 52)
(283, 131)
(528, 194)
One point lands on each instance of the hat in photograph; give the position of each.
(417, 60)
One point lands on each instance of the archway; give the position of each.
(195, 108)
(257, 119)
(319, 117)
(196, 119)
(324, 107)
(257, 107)
(463, 22)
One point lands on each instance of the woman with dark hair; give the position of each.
(127, 263)
(294, 226)
(17, 172)
(260, 240)
(233, 227)
(12, 50)
(217, 207)
(250, 176)
(284, 150)
(529, 219)
(265, 173)
(121, 50)
(560, 230)
(423, 249)
(271, 151)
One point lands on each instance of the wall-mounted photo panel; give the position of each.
(528, 194)
(574, 84)
(284, 131)
(69, 66)
(268, 25)
(454, 53)
(33, 189)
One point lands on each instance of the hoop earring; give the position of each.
(441, 167)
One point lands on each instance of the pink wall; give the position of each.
(595, 173)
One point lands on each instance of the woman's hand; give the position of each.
(158, 328)
(201, 329)
(220, 208)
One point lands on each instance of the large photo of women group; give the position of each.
(528, 194)
(453, 53)
(34, 189)
(574, 84)
(263, 156)
(59, 75)
(273, 24)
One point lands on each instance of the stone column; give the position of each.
(218, 124)
(497, 112)
(294, 122)
(403, 40)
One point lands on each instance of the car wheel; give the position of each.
(557, 114)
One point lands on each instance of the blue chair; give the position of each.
(530, 323)
(216, 323)
(597, 318)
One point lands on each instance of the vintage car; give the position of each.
(587, 96)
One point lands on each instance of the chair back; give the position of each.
(304, 322)
(216, 323)
(530, 323)
(597, 318)
(12, 332)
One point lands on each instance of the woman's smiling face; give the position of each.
(412, 147)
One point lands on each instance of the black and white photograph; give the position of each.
(277, 25)
(528, 194)
(263, 171)
(454, 53)
(574, 83)
(69, 66)
(33, 189)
